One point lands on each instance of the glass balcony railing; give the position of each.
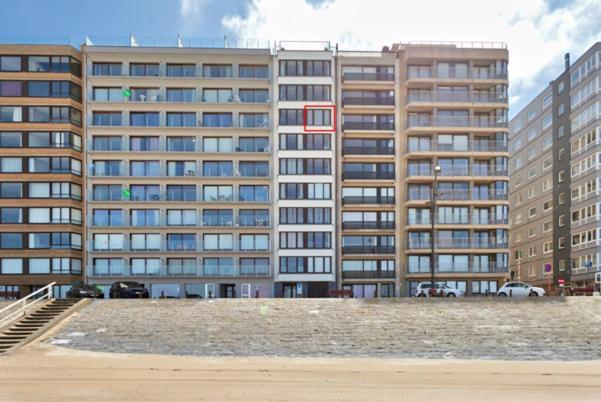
(366, 200)
(367, 125)
(367, 101)
(458, 268)
(367, 76)
(367, 175)
(368, 274)
(184, 271)
(456, 97)
(367, 150)
(477, 73)
(367, 225)
(368, 249)
(471, 146)
(451, 121)
(457, 195)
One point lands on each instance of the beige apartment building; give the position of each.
(179, 169)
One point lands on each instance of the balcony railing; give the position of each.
(471, 146)
(367, 151)
(367, 77)
(187, 271)
(368, 101)
(367, 125)
(450, 121)
(368, 225)
(456, 244)
(368, 249)
(460, 269)
(457, 220)
(366, 200)
(460, 171)
(456, 96)
(368, 176)
(452, 73)
(368, 274)
(457, 195)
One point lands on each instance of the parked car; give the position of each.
(81, 290)
(128, 290)
(520, 289)
(423, 290)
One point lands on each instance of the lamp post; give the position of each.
(432, 218)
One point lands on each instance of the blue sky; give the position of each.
(538, 32)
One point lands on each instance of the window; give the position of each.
(11, 88)
(10, 63)
(10, 139)
(561, 221)
(224, 193)
(217, 120)
(181, 144)
(532, 212)
(531, 232)
(218, 217)
(54, 89)
(217, 95)
(144, 241)
(301, 166)
(55, 240)
(254, 217)
(144, 69)
(113, 69)
(106, 168)
(145, 266)
(181, 217)
(54, 139)
(547, 205)
(254, 169)
(11, 266)
(547, 100)
(217, 70)
(107, 217)
(305, 191)
(55, 215)
(181, 193)
(139, 192)
(561, 176)
(108, 242)
(547, 226)
(10, 165)
(106, 118)
(253, 95)
(254, 242)
(531, 193)
(253, 144)
(531, 114)
(305, 240)
(181, 119)
(181, 70)
(560, 87)
(314, 68)
(218, 144)
(181, 168)
(253, 120)
(306, 265)
(252, 71)
(144, 144)
(254, 193)
(144, 217)
(55, 64)
(144, 119)
(305, 93)
(107, 94)
(561, 243)
(11, 215)
(305, 142)
(181, 95)
(547, 120)
(145, 169)
(11, 114)
(54, 114)
(218, 242)
(218, 168)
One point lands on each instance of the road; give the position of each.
(43, 372)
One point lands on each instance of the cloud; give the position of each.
(538, 32)
(189, 12)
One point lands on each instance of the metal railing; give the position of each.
(359, 200)
(457, 195)
(450, 121)
(368, 249)
(367, 150)
(367, 77)
(470, 146)
(191, 271)
(470, 268)
(45, 293)
(177, 41)
(470, 73)
(367, 125)
(368, 101)
(368, 274)
(459, 171)
(457, 96)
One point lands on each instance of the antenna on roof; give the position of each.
(89, 41)
(225, 41)
(180, 41)
(132, 41)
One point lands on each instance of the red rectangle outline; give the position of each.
(307, 107)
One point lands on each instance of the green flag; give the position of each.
(126, 193)
(126, 93)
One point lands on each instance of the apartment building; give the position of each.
(41, 169)
(454, 120)
(305, 167)
(370, 176)
(180, 176)
(569, 110)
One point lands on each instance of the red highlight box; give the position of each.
(327, 130)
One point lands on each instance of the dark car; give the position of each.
(128, 290)
(79, 291)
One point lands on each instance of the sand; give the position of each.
(43, 372)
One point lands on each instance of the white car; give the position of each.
(520, 289)
(423, 290)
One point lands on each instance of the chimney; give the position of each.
(566, 59)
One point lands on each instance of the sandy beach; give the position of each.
(43, 372)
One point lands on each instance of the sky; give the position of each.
(537, 32)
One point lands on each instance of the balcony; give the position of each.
(477, 73)
(368, 249)
(368, 125)
(368, 274)
(183, 271)
(367, 101)
(457, 244)
(367, 151)
(456, 97)
(368, 225)
(459, 171)
(457, 195)
(367, 200)
(368, 176)
(471, 146)
(450, 121)
(367, 77)
(457, 220)
(458, 269)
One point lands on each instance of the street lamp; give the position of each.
(432, 218)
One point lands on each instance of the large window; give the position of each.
(107, 94)
(218, 193)
(181, 217)
(217, 120)
(55, 64)
(10, 63)
(54, 89)
(253, 144)
(300, 216)
(11, 165)
(317, 142)
(254, 193)
(107, 217)
(181, 144)
(181, 70)
(56, 190)
(218, 217)
(144, 217)
(145, 241)
(181, 242)
(313, 68)
(55, 240)
(254, 242)
(218, 168)
(253, 71)
(218, 242)
(217, 95)
(181, 193)
(106, 118)
(181, 168)
(57, 265)
(181, 119)
(144, 69)
(108, 241)
(305, 265)
(145, 168)
(113, 69)
(254, 217)
(11, 240)
(305, 93)
(55, 215)
(144, 144)
(11, 190)
(11, 139)
(254, 169)
(253, 95)
(217, 70)
(305, 240)
(10, 215)
(11, 114)
(54, 139)
(144, 119)
(11, 88)
(217, 144)
(181, 95)
(301, 166)
(253, 120)
(11, 266)
(305, 191)
(106, 192)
